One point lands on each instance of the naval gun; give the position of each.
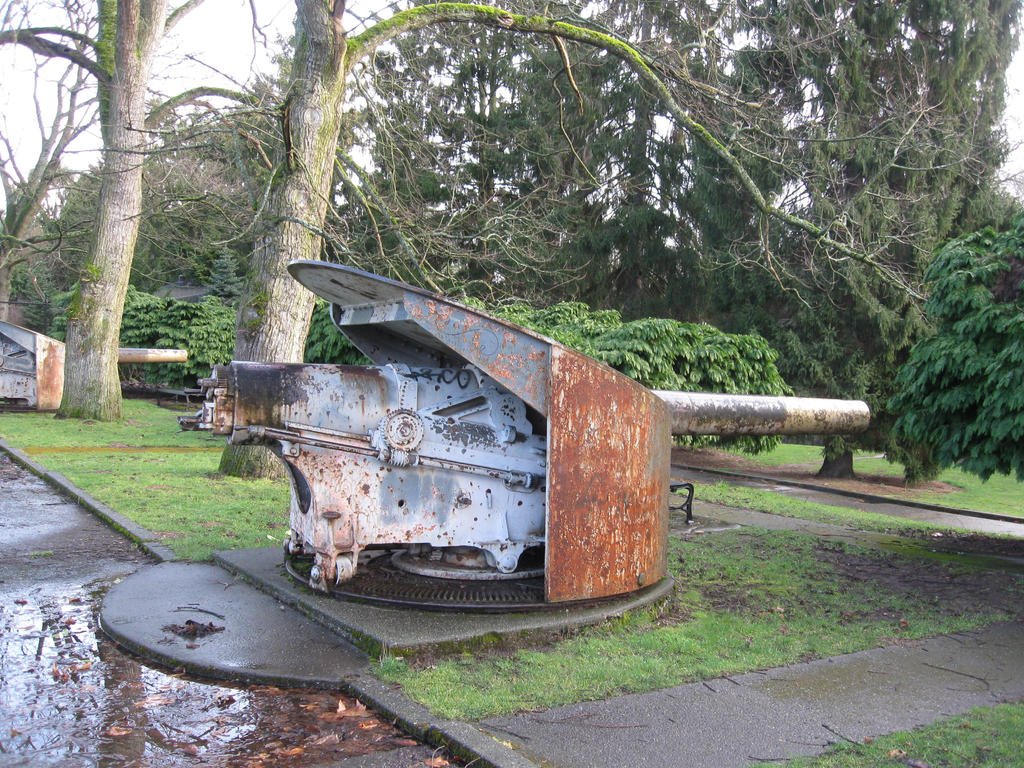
(475, 450)
(32, 367)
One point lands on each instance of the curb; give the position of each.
(869, 497)
(461, 738)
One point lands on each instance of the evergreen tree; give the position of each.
(224, 280)
(960, 391)
(894, 111)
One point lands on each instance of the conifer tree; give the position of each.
(917, 90)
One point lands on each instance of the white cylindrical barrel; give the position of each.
(136, 355)
(702, 413)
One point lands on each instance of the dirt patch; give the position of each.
(879, 485)
(950, 591)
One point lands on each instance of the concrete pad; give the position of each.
(262, 641)
(375, 629)
(784, 712)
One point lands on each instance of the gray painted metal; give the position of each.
(702, 413)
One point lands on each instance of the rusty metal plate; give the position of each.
(513, 356)
(49, 373)
(608, 468)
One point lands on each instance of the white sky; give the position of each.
(215, 45)
(1014, 118)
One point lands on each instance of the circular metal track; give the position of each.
(434, 566)
(380, 582)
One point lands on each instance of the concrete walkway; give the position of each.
(780, 713)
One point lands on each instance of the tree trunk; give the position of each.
(5, 289)
(273, 317)
(91, 385)
(839, 466)
(251, 461)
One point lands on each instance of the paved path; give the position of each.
(784, 712)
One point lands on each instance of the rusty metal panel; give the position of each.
(608, 468)
(49, 373)
(31, 368)
(511, 355)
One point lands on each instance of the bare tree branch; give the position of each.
(191, 96)
(37, 44)
(421, 17)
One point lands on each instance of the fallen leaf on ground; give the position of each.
(435, 762)
(117, 731)
(190, 749)
(357, 706)
(358, 709)
(81, 667)
(403, 742)
(896, 754)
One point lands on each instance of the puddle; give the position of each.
(71, 698)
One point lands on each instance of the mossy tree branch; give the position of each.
(34, 40)
(424, 16)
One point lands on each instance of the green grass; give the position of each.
(1000, 493)
(986, 737)
(746, 600)
(162, 478)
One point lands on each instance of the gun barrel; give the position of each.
(701, 413)
(137, 355)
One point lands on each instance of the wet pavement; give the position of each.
(779, 713)
(70, 697)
